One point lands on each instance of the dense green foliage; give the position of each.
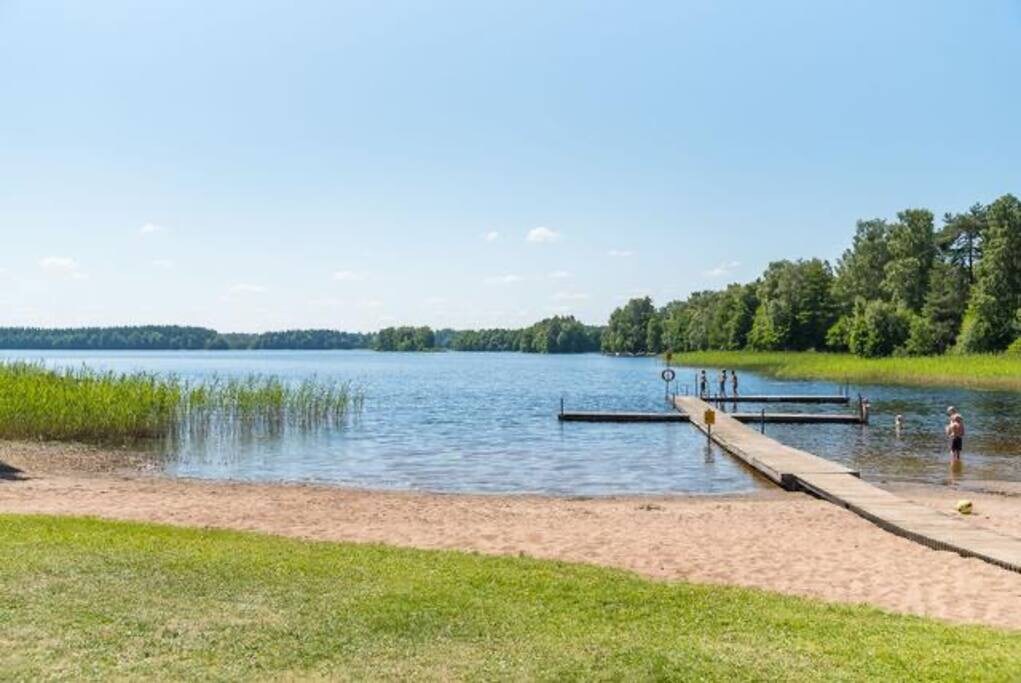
(295, 339)
(147, 337)
(559, 334)
(404, 339)
(977, 371)
(902, 288)
(173, 337)
(104, 407)
(90, 599)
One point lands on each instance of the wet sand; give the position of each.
(779, 541)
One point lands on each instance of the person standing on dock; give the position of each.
(723, 384)
(733, 383)
(703, 385)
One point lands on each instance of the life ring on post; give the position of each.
(668, 375)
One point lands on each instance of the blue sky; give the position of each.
(254, 166)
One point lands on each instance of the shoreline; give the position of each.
(977, 372)
(770, 539)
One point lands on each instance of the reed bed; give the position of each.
(82, 404)
(974, 371)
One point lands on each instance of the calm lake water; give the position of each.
(487, 423)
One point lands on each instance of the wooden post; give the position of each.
(762, 422)
(561, 405)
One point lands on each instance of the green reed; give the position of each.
(82, 404)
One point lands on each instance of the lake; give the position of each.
(486, 423)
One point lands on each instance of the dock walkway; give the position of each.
(751, 418)
(795, 469)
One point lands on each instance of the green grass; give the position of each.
(80, 404)
(85, 598)
(983, 371)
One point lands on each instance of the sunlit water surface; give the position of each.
(487, 423)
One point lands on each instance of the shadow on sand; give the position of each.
(8, 473)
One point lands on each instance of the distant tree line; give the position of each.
(552, 335)
(174, 337)
(902, 288)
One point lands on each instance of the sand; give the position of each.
(779, 541)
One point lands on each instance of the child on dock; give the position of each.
(703, 385)
(733, 382)
(723, 384)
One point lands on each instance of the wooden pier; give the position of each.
(748, 418)
(839, 399)
(795, 470)
(596, 416)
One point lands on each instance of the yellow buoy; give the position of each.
(964, 507)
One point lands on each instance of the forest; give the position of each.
(903, 287)
(559, 334)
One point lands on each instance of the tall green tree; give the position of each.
(990, 324)
(860, 270)
(912, 250)
(944, 307)
(795, 308)
(960, 240)
(628, 328)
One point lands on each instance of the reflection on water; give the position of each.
(487, 423)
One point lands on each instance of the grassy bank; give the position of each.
(104, 407)
(975, 371)
(93, 599)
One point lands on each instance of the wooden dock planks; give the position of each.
(799, 470)
(597, 416)
(754, 418)
(795, 398)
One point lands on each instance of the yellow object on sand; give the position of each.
(964, 507)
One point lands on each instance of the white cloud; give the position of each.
(347, 276)
(244, 288)
(542, 235)
(559, 275)
(620, 253)
(62, 266)
(723, 269)
(436, 300)
(502, 279)
(164, 263)
(570, 296)
(149, 229)
(491, 236)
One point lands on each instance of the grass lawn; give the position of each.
(988, 371)
(95, 599)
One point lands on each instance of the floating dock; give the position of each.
(596, 416)
(839, 399)
(748, 418)
(799, 470)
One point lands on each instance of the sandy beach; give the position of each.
(775, 540)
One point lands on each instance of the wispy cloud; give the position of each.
(62, 266)
(150, 229)
(620, 253)
(723, 269)
(570, 296)
(245, 288)
(559, 275)
(348, 276)
(491, 236)
(542, 235)
(164, 263)
(435, 300)
(502, 279)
